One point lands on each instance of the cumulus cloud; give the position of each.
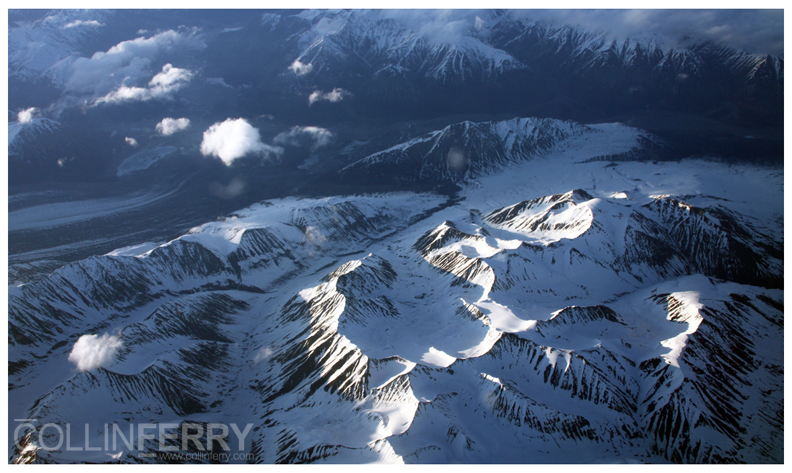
(218, 81)
(25, 116)
(233, 139)
(170, 77)
(169, 126)
(93, 351)
(263, 355)
(299, 68)
(131, 142)
(336, 95)
(92, 23)
(315, 236)
(161, 86)
(125, 64)
(302, 135)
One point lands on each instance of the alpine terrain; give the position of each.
(342, 237)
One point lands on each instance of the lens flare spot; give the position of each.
(457, 162)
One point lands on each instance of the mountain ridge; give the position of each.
(508, 325)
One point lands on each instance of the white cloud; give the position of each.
(315, 236)
(124, 94)
(299, 68)
(218, 81)
(169, 126)
(92, 351)
(233, 139)
(27, 115)
(263, 355)
(131, 142)
(299, 135)
(125, 64)
(170, 77)
(438, 26)
(161, 86)
(92, 23)
(336, 95)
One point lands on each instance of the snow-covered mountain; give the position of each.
(467, 150)
(582, 51)
(44, 48)
(24, 134)
(562, 308)
(389, 57)
(360, 72)
(507, 60)
(381, 43)
(392, 43)
(369, 41)
(43, 146)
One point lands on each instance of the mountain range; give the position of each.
(388, 237)
(623, 319)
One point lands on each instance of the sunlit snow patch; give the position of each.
(135, 250)
(437, 358)
(686, 312)
(547, 219)
(502, 318)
